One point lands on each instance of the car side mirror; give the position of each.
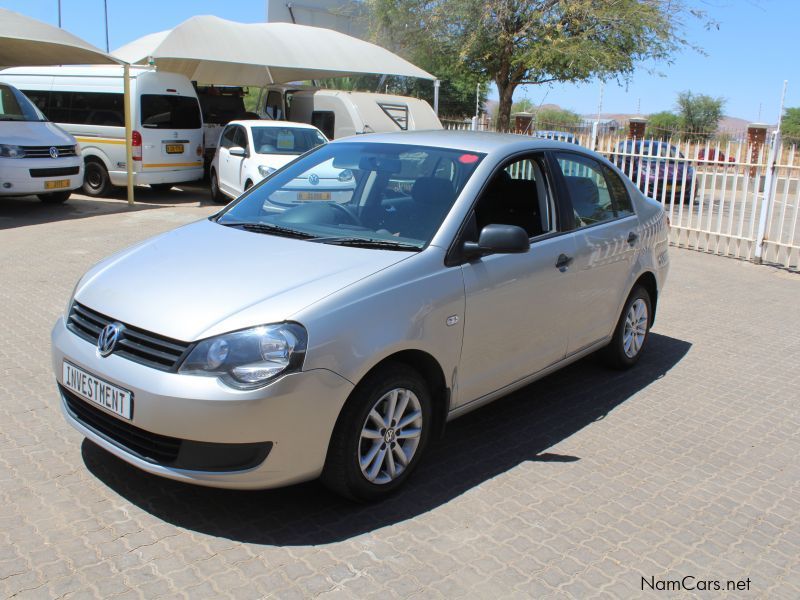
(498, 239)
(237, 151)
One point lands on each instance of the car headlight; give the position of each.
(11, 151)
(250, 358)
(265, 171)
(346, 175)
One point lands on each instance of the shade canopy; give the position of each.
(28, 42)
(213, 50)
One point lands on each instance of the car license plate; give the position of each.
(313, 195)
(58, 184)
(174, 148)
(102, 393)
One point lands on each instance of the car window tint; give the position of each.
(240, 138)
(517, 195)
(588, 189)
(227, 137)
(620, 199)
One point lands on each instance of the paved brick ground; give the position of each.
(576, 486)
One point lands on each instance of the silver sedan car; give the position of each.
(276, 342)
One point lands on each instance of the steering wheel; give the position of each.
(351, 216)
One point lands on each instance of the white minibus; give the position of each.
(88, 103)
(36, 156)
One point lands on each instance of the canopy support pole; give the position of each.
(128, 129)
(436, 84)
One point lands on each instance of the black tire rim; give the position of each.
(93, 177)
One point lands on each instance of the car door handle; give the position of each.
(632, 237)
(563, 261)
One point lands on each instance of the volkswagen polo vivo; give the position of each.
(334, 339)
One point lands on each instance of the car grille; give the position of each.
(144, 444)
(55, 172)
(44, 151)
(134, 344)
(161, 449)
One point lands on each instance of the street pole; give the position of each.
(126, 69)
(105, 12)
(59, 14)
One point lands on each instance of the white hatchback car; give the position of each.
(249, 151)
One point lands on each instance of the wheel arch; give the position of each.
(648, 281)
(431, 371)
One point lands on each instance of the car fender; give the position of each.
(416, 304)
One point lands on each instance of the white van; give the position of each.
(340, 114)
(36, 156)
(88, 103)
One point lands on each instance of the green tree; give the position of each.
(557, 118)
(516, 42)
(790, 125)
(700, 114)
(662, 125)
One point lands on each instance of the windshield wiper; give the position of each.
(368, 243)
(271, 229)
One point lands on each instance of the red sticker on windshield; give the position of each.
(468, 159)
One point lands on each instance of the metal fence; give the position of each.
(730, 198)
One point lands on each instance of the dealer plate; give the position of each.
(174, 148)
(57, 184)
(100, 392)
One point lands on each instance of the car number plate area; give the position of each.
(58, 184)
(90, 387)
(174, 148)
(313, 196)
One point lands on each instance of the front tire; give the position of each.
(96, 181)
(55, 198)
(216, 195)
(632, 331)
(380, 435)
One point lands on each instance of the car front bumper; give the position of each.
(293, 416)
(16, 178)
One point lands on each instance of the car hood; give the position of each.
(274, 161)
(34, 133)
(205, 279)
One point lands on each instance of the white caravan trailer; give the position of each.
(88, 103)
(339, 114)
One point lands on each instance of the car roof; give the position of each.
(476, 141)
(270, 123)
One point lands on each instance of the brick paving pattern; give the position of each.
(577, 486)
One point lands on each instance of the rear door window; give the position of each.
(170, 112)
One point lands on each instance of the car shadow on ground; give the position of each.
(22, 211)
(475, 448)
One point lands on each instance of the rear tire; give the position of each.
(216, 195)
(632, 331)
(96, 181)
(381, 434)
(161, 187)
(55, 197)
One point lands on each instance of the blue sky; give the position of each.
(746, 60)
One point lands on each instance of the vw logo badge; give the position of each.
(313, 179)
(53, 152)
(108, 338)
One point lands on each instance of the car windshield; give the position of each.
(15, 106)
(387, 196)
(286, 140)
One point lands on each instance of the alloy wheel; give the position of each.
(635, 328)
(390, 435)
